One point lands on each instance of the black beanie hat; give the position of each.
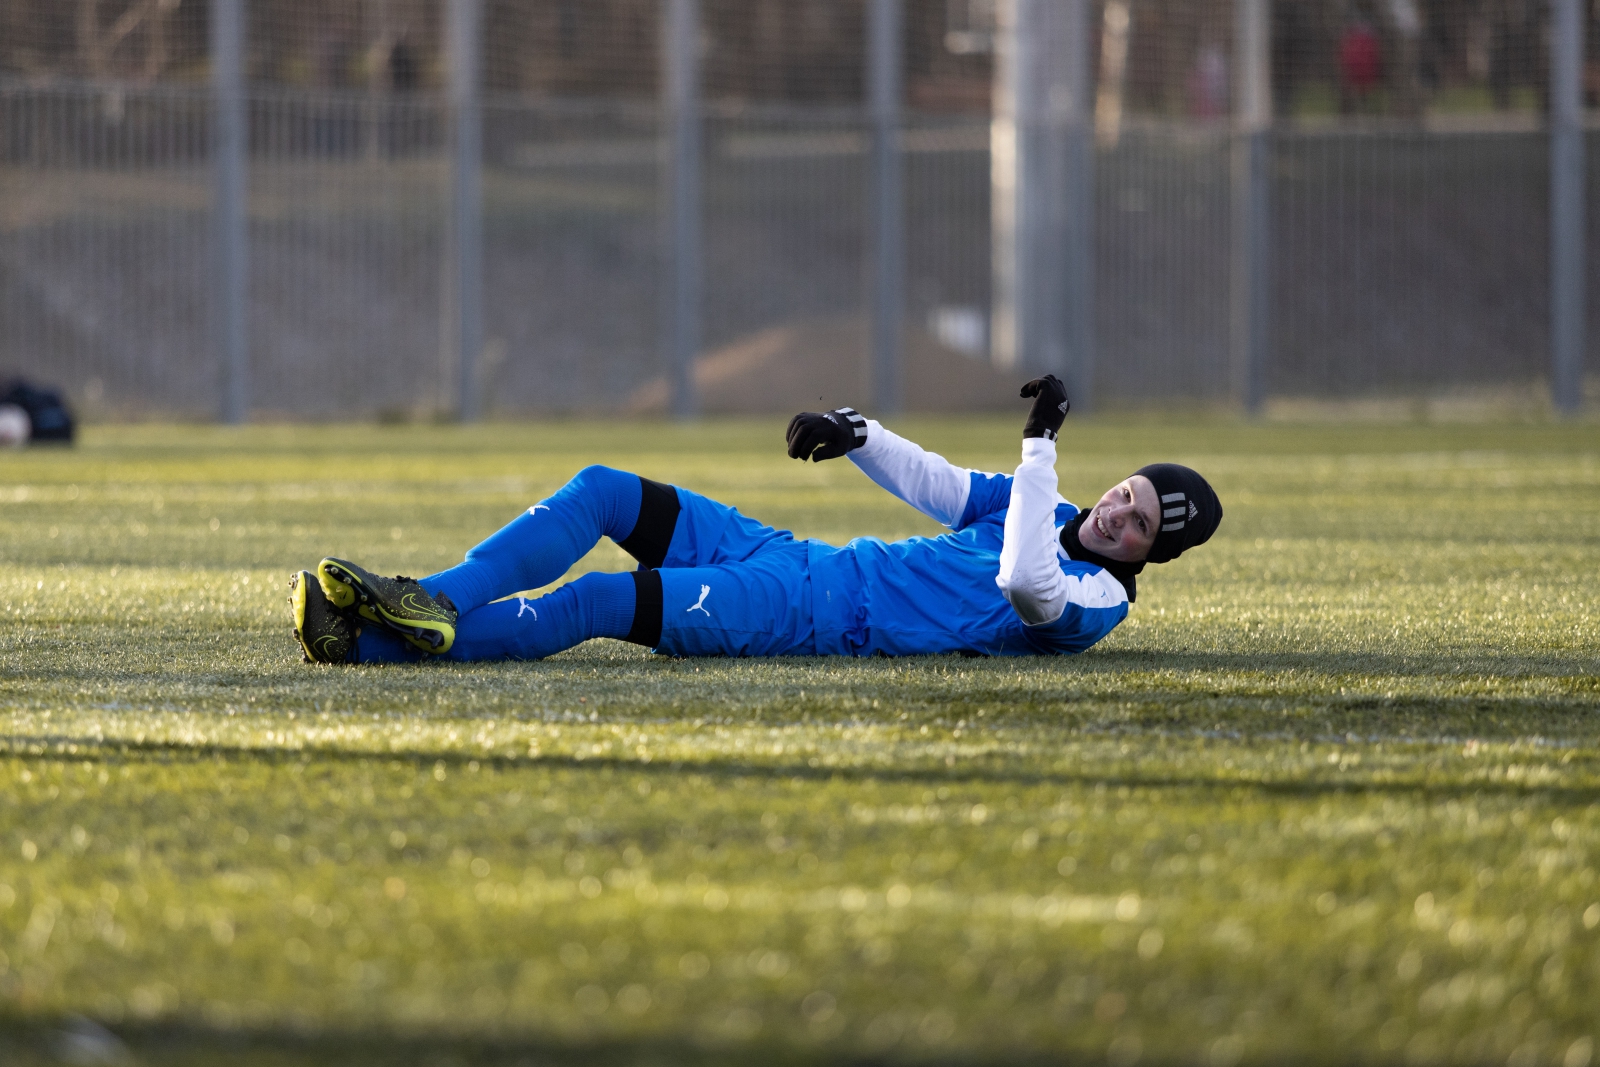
(1190, 510)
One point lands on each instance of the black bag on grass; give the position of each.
(52, 421)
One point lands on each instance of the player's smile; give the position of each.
(1123, 524)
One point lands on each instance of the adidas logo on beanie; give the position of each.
(1190, 510)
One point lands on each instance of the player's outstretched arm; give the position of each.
(926, 481)
(1030, 578)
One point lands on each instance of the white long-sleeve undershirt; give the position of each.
(925, 480)
(1030, 576)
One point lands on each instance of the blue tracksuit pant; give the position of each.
(730, 585)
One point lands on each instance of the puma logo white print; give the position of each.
(535, 509)
(699, 605)
(523, 605)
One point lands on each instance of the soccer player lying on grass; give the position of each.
(1022, 571)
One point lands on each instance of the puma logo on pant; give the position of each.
(699, 605)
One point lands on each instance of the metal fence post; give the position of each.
(1042, 191)
(681, 222)
(228, 206)
(1074, 114)
(888, 204)
(465, 299)
(1252, 174)
(1567, 222)
(1010, 220)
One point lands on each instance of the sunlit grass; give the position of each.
(1332, 793)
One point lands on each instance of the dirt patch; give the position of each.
(819, 364)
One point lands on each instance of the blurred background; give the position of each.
(404, 209)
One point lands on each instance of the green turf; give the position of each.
(1332, 793)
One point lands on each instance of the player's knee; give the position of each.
(610, 495)
(598, 478)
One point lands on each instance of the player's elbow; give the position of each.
(1035, 612)
(1034, 606)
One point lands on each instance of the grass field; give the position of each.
(1331, 794)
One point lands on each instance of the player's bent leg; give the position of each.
(624, 606)
(659, 525)
(539, 546)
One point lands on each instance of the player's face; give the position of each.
(1124, 524)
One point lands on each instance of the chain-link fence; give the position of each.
(1405, 232)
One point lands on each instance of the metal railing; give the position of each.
(248, 249)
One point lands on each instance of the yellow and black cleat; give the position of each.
(399, 604)
(325, 635)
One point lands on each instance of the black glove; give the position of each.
(826, 435)
(1050, 407)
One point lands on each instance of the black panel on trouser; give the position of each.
(646, 628)
(652, 533)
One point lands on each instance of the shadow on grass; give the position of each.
(1349, 664)
(26, 1042)
(1581, 670)
(1135, 694)
(1289, 781)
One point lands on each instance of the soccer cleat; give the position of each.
(325, 635)
(399, 604)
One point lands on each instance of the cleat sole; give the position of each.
(321, 649)
(338, 585)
